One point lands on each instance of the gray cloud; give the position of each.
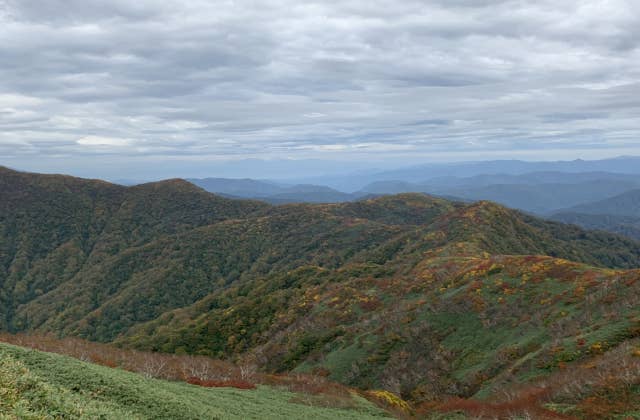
(352, 80)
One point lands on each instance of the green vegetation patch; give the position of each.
(37, 385)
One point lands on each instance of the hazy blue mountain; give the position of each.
(128, 182)
(541, 198)
(625, 204)
(623, 225)
(310, 194)
(538, 192)
(392, 187)
(548, 177)
(618, 214)
(237, 187)
(622, 165)
(424, 173)
(272, 192)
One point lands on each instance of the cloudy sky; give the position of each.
(132, 87)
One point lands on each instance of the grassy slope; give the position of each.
(40, 385)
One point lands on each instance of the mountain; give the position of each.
(624, 165)
(532, 178)
(542, 198)
(620, 165)
(625, 204)
(238, 187)
(539, 192)
(418, 295)
(272, 192)
(623, 225)
(535, 192)
(619, 214)
(52, 227)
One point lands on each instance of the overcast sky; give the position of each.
(123, 86)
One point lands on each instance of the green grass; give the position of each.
(38, 385)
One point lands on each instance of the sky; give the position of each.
(143, 89)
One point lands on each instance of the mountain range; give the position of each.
(272, 192)
(540, 193)
(593, 199)
(350, 182)
(619, 214)
(419, 295)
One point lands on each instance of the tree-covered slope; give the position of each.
(444, 324)
(53, 227)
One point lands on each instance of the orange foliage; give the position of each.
(528, 403)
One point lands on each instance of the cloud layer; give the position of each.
(289, 79)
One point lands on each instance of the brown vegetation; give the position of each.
(236, 383)
(603, 387)
(196, 370)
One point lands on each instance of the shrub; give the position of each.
(234, 383)
(389, 400)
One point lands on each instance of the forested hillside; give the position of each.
(421, 296)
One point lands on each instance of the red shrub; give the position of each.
(99, 360)
(528, 403)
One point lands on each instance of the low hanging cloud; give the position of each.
(281, 78)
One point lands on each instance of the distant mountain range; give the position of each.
(619, 214)
(538, 192)
(424, 174)
(625, 204)
(272, 192)
(563, 191)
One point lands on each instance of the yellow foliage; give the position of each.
(597, 347)
(390, 399)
